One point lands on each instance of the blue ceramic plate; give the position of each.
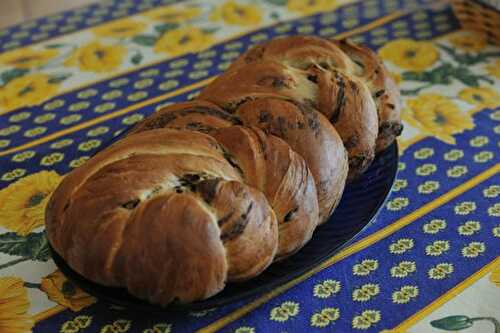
(360, 203)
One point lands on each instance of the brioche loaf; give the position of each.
(214, 190)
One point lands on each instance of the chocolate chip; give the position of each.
(313, 78)
(281, 123)
(359, 63)
(340, 102)
(289, 216)
(208, 189)
(229, 158)
(232, 106)
(225, 219)
(272, 81)
(131, 204)
(197, 126)
(192, 177)
(265, 116)
(351, 142)
(379, 93)
(237, 226)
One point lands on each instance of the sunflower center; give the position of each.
(410, 53)
(184, 39)
(239, 11)
(477, 97)
(440, 118)
(25, 90)
(35, 199)
(68, 289)
(99, 54)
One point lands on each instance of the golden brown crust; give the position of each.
(248, 229)
(214, 190)
(344, 99)
(259, 80)
(147, 197)
(353, 88)
(309, 134)
(297, 52)
(270, 165)
(266, 163)
(382, 87)
(197, 115)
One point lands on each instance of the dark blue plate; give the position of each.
(360, 203)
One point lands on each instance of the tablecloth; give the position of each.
(72, 82)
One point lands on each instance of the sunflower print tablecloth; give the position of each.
(72, 82)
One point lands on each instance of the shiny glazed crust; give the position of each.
(214, 190)
(350, 86)
(164, 214)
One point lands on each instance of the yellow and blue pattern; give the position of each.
(71, 83)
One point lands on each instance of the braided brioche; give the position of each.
(346, 82)
(214, 190)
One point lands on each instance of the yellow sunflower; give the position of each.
(24, 202)
(309, 7)
(410, 54)
(120, 28)
(183, 40)
(173, 14)
(97, 57)
(494, 69)
(469, 42)
(27, 57)
(495, 275)
(26, 90)
(234, 13)
(481, 96)
(438, 116)
(14, 305)
(60, 290)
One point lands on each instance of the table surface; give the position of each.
(70, 83)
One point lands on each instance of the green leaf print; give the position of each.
(137, 58)
(210, 30)
(54, 46)
(56, 78)
(467, 58)
(34, 246)
(11, 74)
(162, 28)
(145, 40)
(278, 2)
(461, 322)
(446, 72)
